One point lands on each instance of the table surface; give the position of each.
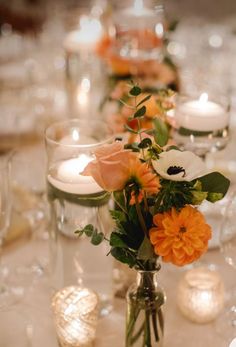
(34, 311)
(35, 306)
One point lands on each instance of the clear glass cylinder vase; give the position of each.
(76, 201)
(144, 320)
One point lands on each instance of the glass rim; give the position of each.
(79, 122)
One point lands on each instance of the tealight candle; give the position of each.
(66, 176)
(75, 312)
(84, 38)
(201, 115)
(200, 295)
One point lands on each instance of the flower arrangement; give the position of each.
(156, 189)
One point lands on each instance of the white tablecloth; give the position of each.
(35, 311)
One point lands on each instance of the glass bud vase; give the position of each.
(144, 320)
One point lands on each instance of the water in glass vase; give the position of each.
(75, 260)
(201, 142)
(145, 321)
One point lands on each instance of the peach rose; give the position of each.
(111, 168)
(115, 167)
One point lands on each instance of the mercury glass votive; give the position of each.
(200, 295)
(75, 312)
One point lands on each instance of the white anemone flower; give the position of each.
(175, 165)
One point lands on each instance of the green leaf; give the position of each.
(145, 143)
(124, 256)
(145, 99)
(198, 197)
(214, 182)
(213, 197)
(135, 91)
(161, 134)
(140, 112)
(173, 25)
(130, 129)
(134, 146)
(97, 238)
(88, 230)
(145, 251)
(118, 215)
(79, 232)
(116, 241)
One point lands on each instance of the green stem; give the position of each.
(120, 206)
(137, 335)
(140, 217)
(132, 320)
(147, 330)
(154, 323)
(153, 310)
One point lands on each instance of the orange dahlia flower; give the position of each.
(180, 237)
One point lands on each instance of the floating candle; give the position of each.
(201, 115)
(86, 37)
(66, 176)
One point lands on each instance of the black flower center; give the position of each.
(174, 170)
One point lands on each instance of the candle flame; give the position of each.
(138, 7)
(75, 135)
(159, 30)
(203, 98)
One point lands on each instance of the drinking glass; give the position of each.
(76, 201)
